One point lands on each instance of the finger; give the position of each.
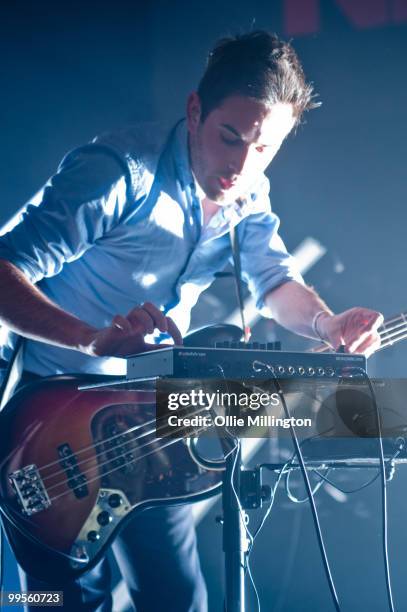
(121, 323)
(336, 340)
(133, 345)
(357, 340)
(372, 348)
(359, 326)
(141, 347)
(141, 320)
(369, 345)
(372, 320)
(174, 331)
(159, 318)
(379, 321)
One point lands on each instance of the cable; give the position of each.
(292, 497)
(273, 494)
(308, 487)
(324, 478)
(384, 491)
(346, 491)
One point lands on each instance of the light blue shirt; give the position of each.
(120, 224)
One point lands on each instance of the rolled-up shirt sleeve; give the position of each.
(78, 205)
(266, 264)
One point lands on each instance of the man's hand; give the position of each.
(125, 335)
(355, 329)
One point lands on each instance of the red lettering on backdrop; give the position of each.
(303, 16)
(365, 13)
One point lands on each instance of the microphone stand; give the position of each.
(242, 490)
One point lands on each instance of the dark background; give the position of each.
(70, 72)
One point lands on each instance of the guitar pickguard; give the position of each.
(110, 507)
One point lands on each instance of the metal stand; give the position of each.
(246, 484)
(235, 543)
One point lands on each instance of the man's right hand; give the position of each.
(125, 335)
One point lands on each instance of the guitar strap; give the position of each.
(13, 373)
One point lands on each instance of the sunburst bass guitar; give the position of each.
(76, 464)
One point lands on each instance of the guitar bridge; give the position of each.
(30, 489)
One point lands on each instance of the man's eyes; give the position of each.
(230, 141)
(238, 142)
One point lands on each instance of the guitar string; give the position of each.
(95, 468)
(96, 444)
(123, 454)
(393, 333)
(399, 318)
(156, 450)
(134, 460)
(105, 440)
(328, 349)
(119, 456)
(392, 341)
(394, 330)
(388, 335)
(381, 333)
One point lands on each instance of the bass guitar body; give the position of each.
(76, 464)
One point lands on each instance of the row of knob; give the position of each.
(260, 346)
(302, 371)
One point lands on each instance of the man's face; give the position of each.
(235, 143)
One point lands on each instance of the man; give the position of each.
(125, 228)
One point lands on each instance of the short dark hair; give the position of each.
(258, 65)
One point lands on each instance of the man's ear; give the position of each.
(193, 112)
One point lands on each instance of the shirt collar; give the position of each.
(181, 155)
(198, 189)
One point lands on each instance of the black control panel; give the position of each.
(239, 362)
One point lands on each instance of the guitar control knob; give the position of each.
(291, 370)
(93, 536)
(114, 500)
(311, 371)
(104, 518)
(301, 371)
(281, 369)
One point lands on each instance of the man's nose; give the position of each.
(239, 160)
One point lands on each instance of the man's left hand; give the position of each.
(355, 329)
